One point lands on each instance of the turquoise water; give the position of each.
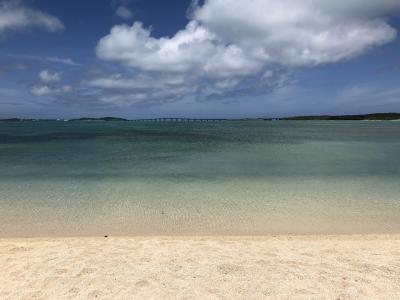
(234, 178)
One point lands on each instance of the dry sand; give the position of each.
(314, 267)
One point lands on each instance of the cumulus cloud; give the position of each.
(123, 12)
(143, 89)
(300, 33)
(134, 46)
(49, 85)
(41, 90)
(16, 16)
(48, 76)
(230, 46)
(45, 90)
(118, 81)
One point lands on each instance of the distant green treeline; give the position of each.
(364, 117)
(371, 117)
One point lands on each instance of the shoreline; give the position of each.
(282, 237)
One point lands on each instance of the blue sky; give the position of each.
(215, 58)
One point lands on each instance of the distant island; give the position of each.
(64, 120)
(363, 117)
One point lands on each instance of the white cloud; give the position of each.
(118, 81)
(155, 88)
(61, 60)
(299, 33)
(49, 85)
(46, 90)
(233, 45)
(124, 12)
(51, 59)
(48, 76)
(15, 16)
(41, 90)
(134, 46)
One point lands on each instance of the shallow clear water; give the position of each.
(136, 178)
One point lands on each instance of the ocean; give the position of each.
(95, 178)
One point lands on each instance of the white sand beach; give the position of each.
(274, 267)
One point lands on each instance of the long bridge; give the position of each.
(179, 120)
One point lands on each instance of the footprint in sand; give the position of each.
(61, 271)
(95, 294)
(227, 269)
(72, 293)
(142, 283)
(35, 295)
(19, 249)
(86, 271)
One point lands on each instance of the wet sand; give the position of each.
(276, 267)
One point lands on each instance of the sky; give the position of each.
(205, 59)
